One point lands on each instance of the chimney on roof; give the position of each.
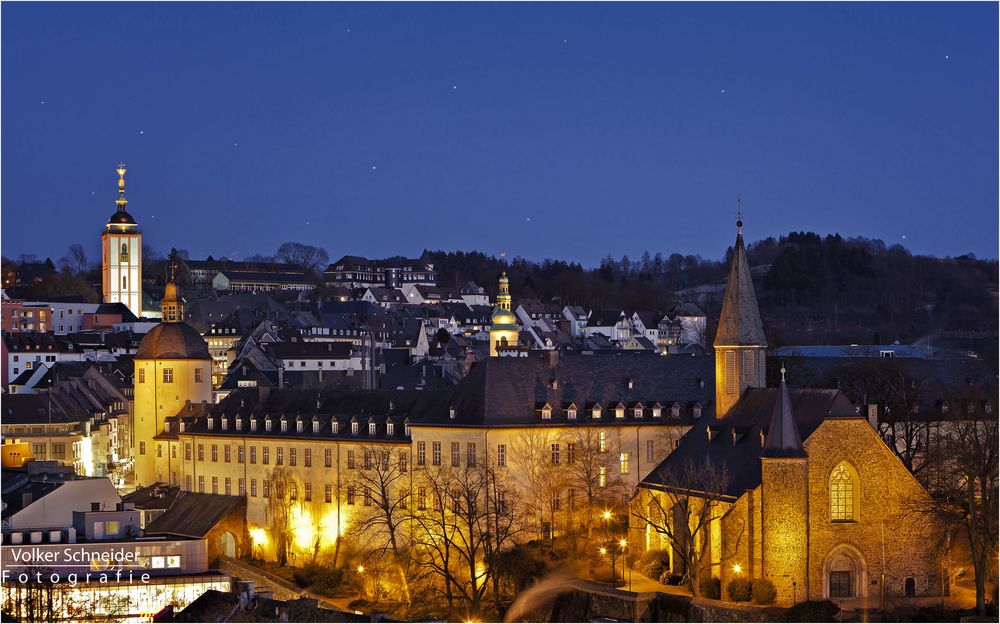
(554, 358)
(281, 378)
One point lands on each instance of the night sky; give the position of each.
(560, 130)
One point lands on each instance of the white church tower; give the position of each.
(121, 255)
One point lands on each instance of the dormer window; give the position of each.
(239, 424)
(630, 384)
(354, 428)
(390, 429)
(637, 411)
(657, 411)
(166, 426)
(595, 412)
(299, 426)
(284, 425)
(406, 430)
(620, 411)
(451, 413)
(554, 384)
(371, 428)
(315, 426)
(697, 410)
(571, 412)
(675, 411)
(180, 426)
(546, 412)
(334, 426)
(225, 423)
(253, 425)
(267, 424)
(211, 423)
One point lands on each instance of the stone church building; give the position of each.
(801, 490)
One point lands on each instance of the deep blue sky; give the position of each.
(556, 130)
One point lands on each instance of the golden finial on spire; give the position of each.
(121, 201)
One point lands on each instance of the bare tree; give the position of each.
(311, 258)
(279, 512)
(963, 482)
(683, 512)
(76, 259)
(379, 523)
(541, 456)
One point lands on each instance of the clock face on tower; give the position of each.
(124, 256)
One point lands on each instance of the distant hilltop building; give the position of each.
(121, 255)
(358, 272)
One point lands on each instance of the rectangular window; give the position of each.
(350, 494)
(159, 451)
(623, 461)
(402, 498)
(749, 370)
(293, 492)
(470, 453)
(197, 375)
(421, 453)
(502, 455)
(168, 375)
(328, 457)
(350, 459)
(570, 452)
(368, 497)
(308, 459)
(602, 442)
(142, 374)
(142, 449)
(555, 453)
(730, 372)
(279, 456)
(602, 476)
(215, 452)
(201, 484)
(227, 454)
(267, 488)
(403, 460)
(187, 483)
(229, 486)
(243, 487)
(421, 498)
(253, 487)
(436, 450)
(215, 485)
(650, 451)
(455, 454)
(309, 492)
(240, 454)
(265, 455)
(253, 454)
(292, 456)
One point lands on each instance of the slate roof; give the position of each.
(174, 341)
(310, 350)
(193, 514)
(510, 391)
(736, 442)
(739, 321)
(604, 318)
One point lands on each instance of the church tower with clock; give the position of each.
(121, 255)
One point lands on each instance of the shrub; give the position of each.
(321, 578)
(655, 563)
(669, 578)
(710, 587)
(763, 591)
(812, 611)
(738, 589)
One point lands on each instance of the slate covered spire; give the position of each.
(739, 323)
(783, 439)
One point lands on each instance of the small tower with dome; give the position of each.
(504, 328)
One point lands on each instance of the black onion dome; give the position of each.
(120, 217)
(173, 341)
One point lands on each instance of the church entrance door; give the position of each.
(840, 585)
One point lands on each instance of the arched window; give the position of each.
(843, 493)
(124, 283)
(124, 255)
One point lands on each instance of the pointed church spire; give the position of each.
(783, 439)
(739, 323)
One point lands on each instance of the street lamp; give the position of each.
(737, 568)
(623, 543)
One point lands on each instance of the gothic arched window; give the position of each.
(843, 493)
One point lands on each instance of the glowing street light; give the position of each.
(361, 569)
(737, 568)
(607, 515)
(604, 551)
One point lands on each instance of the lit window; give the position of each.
(843, 491)
(602, 442)
(555, 453)
(197, 375)
(168, 375)
(623, 461)
(371, 428)
(142, 373)
(602, 476)
(111, 528)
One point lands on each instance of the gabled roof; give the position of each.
(739, 322)
(750, 419)
(193, 514)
